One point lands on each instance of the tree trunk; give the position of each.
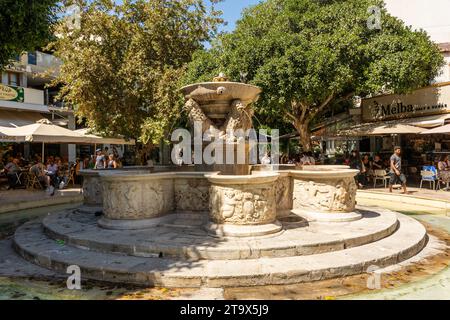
(305, 135)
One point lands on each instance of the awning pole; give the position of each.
(43, 150)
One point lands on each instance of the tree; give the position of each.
(24, 26)
(309, 55)
(122, 66)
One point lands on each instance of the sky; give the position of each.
(430, 15)
(232, 11)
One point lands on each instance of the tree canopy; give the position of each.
(307, 55)
(24, 26)
(122, 65)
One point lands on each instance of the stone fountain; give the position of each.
(220, 225)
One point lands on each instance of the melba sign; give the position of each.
(11, 94)
(422, 102)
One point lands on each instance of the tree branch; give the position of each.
(290, 115)
(315, 111)
(347, 96)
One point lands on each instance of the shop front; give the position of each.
(390, 120)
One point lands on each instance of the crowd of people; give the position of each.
(372, 167)
(55, 173)
(101, 160)
(52, 174)
(368, 168)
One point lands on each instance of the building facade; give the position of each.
(25, 96)
(426, 107)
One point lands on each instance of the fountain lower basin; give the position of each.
(243, 205)
(230, 205)
(325, 194)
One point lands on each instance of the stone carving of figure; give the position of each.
(228, 205)
(239, 117)
(195, 114)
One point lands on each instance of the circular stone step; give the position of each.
(185, 237)
(33, 244)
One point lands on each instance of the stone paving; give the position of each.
(432, 287)
(22, 199)
(425, 192)
(24, 195)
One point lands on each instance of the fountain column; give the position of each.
(240, 204)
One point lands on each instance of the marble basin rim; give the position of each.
(323, 174)
(233, 91)
(139, 176)
(256, 178)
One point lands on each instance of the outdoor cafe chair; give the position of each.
(71, 176)
(429, 173)
(33, 181)
(380, 175)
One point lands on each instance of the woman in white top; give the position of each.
(444, 170)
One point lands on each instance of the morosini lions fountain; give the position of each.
(220, 225)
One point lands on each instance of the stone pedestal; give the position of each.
(325, 194)
(136, 201)
(243, 205)
(92, 188)
(92, 185)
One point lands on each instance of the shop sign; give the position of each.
(422, 102)
(11, 93)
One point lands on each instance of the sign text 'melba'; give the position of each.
(382, 110)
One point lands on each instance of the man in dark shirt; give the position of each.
(396, 170)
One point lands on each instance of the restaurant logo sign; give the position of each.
(428, 101)
(11, 93)
(381, 111)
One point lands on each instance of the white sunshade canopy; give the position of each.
(101, 140)
(42, 131)
(439, 130)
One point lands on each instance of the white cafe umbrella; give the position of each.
(4, 137)
(45, 132)
(96, 139)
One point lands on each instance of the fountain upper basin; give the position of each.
(215, 98)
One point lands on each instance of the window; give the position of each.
(14, 79)
(32, 58)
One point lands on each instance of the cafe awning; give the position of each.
(439, 130)
(96, 139)
(14, 119)
(427, 122)
(380, 129)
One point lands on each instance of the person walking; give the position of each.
(396, 170)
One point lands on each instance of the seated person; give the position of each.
(38, 170)
(307, 159)
(377, 163)
(12, 169)
(443, 163)
(52, 176)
